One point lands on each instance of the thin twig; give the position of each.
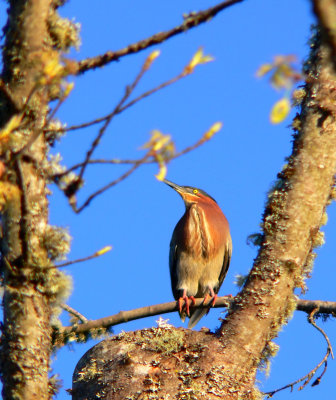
(79, 260)
(190, 148)
(100, 161)
(74, 312)
(108, 186)
(308, 377)
(312, 321)
(191, 21)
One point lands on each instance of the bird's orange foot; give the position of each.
(184, 301)
(213, 298)
(193, 300)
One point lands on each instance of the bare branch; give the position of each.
(312, 321)
(191, 21)
(79, 260)
(106, 187)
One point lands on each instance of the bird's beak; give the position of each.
(187, 197)
(178, 188)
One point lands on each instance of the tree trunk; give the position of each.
(26, 340)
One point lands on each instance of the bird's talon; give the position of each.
(214, 300)
(187, 306)
(180, 306)
(183, 302)
(206, 298)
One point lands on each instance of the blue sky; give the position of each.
(237, 167)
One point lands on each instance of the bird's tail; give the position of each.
(183, 315)
(196, 316)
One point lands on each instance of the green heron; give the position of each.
(200, 251)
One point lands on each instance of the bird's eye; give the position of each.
(195, 191)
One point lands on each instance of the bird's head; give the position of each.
(191, 195)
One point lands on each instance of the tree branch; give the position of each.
(324, 307)
(191, 21)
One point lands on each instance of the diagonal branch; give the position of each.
(73, 202)
(191, 21)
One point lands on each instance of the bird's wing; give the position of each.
(226, 263)
(173, 255)
(173, 259)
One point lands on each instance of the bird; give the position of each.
(200, 251)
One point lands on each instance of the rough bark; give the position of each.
(158, 363)
(225, 366)
(26, 332)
